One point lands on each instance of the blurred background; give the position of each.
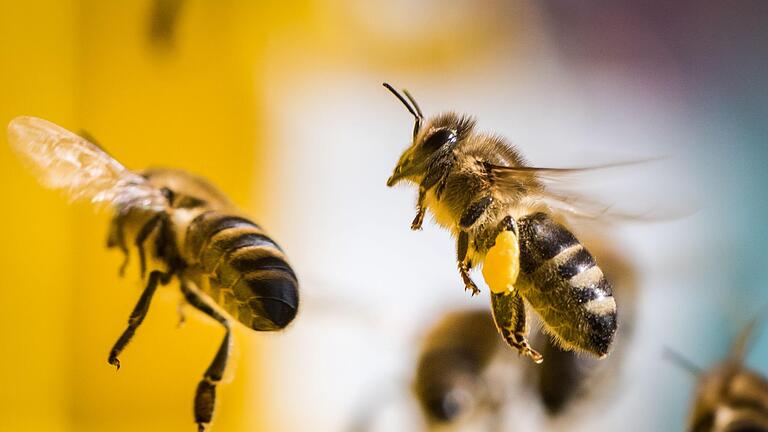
(281, 105)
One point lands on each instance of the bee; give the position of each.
(227, 266)
(452, 361)
(480, 188)
(730, 396)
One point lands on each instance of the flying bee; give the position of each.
(730, 397)
(480, 188)
(227, 266)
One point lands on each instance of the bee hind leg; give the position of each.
(205, 395)
(509, 316)
(137, 315)
(462, 245)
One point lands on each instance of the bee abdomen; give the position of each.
(252, 279)
(569, 290)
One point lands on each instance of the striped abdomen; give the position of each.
(248, 273)
(567, 288)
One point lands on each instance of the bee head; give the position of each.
(447, 407)
(449, 395)
(440, 134)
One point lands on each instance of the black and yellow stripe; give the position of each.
(567, 288)
(249, 275)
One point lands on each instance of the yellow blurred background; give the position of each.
(189, 103)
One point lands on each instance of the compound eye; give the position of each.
(438, 139)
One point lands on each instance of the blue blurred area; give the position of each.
(714, 57)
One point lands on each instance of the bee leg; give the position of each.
(141, 237)
(419, 219)
(509, 316)
(508, 224)
(205, 395)
(138, 315)
(182, 315)
(462, 245)
(116, 238)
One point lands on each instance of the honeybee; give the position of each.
(227, 266)
(479, 187)
(449, 372)
(730, 396)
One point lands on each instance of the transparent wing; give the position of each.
(62, 160)
(608, 193)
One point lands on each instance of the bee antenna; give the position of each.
(682, 362)
(741, 345)
(413, 102)
(414, 110)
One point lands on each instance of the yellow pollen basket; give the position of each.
(502, 263)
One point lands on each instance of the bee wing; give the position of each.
(62, 160)
(566, 190)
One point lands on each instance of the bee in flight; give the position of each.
(502, 214)
(730, 396)
(181, 225)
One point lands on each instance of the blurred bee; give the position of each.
(164, 21)
(479, 187)
(226, 265)
(730, 397)
(449, 371)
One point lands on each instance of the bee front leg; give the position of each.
(462, 246)
(510, 318)
(419, 219)
(205, 395)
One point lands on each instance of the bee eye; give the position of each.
(438, 139)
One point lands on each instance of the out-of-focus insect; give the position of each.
(226, 265)
(449, 371)
(729, 397)
(501, 212)
(164, 21)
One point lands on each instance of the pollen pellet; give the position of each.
(502, 263)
